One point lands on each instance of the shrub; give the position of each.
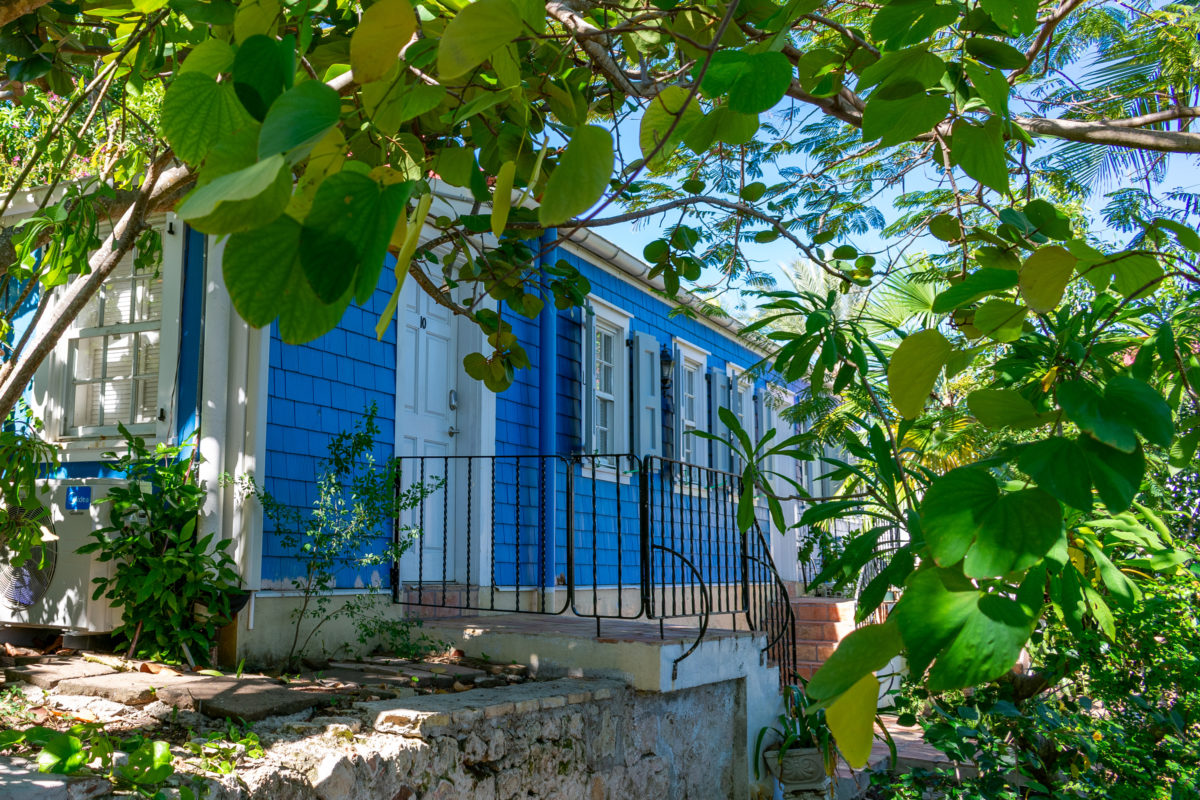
(173, 586)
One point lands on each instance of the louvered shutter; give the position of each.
(718, 396)
(647, 396)
(587, 389)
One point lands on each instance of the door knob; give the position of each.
(453, 431)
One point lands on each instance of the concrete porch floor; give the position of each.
(632, 650)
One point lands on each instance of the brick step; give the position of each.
(822, 609)
(822, 631)
(815, 651)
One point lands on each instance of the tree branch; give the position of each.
(12, 9)
(1116, 133)
(585, 33)
(157, 185)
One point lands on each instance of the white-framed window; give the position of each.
(691, 403)
(116, 364)
(742, 397)
(608, 345)
(606, 369)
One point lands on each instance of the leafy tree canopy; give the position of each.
(309, 133)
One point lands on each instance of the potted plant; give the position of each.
(802, 756)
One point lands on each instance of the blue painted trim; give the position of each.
(191, 333)
(548, 394)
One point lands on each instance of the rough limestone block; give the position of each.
(49, 673)
(128, 688)
(250, 699)
(20, 779)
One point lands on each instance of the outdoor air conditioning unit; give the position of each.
(58, 593)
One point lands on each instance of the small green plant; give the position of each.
(172, 585)
(798, 726)
(24, 457)
(136, 765)
(220, 751)
(344, 530)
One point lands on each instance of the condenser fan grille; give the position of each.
(23, 586)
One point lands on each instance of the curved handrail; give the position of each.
(704, 603)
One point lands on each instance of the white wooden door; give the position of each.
(426, 370)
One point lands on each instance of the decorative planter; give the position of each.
(802, 769)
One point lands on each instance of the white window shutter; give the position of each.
(647, 396)
(587, 399)
(718, 396)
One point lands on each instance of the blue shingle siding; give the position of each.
(316, 390)
(606, 542)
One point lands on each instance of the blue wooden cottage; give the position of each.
(577, 490)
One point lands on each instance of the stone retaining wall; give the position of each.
(563, 739)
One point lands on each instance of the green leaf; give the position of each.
(257, 266)
(454, 165)
(986, 647)
(502, 197)
(1003, 408)
(63, 754)
(668, 119)
(348, 228)
(298, 120)
(303, 317)
(914, 370)
(211, 57)
(1054, 464)
(1136, 274)
(1048, 220)
(896, 121)
(1000, 320)
(933, 607)
(1187, 236)
(1087, 407)
(974, 638)
(913, 65)
(977, 285)
(1044, 277)
(991, 86)
(474, 34)
(1116, 475)
(1118, 584)
(979, 150)
(240, 201)
(197, 112)
(996, 54)
(578, 181)
(946, 228)
(864, 651)
(965, 517)
(1127, 405)
(904, 22)
(851, 720)
(753, 82)
(258, 74)
(385, 28)
(1017, 17)
(1144, 407)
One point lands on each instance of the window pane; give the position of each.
(89, 358)
(147, 353)
(87, 405)
(118, 361)
(148, 307)
(118, 297)
(147, 406)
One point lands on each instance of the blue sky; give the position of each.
(1183, 172)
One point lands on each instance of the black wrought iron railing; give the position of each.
(600, 536)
